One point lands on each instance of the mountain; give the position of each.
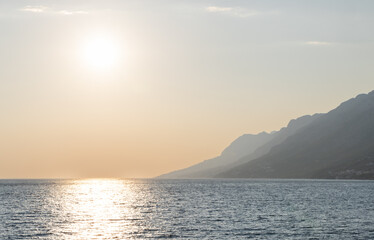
(293, 126)
(242, 146)
(338, 144)
(243, 149)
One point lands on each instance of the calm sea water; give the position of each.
(186, 209)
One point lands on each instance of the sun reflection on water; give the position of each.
(96, 208)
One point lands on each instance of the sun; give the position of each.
(101, 53)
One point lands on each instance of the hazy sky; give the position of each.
(140, 88)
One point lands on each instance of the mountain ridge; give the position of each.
(336, 144)
(232, 154)
(326, 148)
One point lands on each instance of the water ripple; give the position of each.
(186, 209)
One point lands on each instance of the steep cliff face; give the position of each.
(339, 144)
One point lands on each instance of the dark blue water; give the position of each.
(186, 209)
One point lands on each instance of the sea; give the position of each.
(186, 209)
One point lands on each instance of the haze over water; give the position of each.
(186, 209)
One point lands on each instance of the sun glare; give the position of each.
(101, 53)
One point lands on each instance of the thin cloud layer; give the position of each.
(235, 11)
(66, 12)
(219, 9)
(47, 10)
(318, 43)
(35, 9)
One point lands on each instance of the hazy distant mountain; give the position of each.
(293, 126)
(242, 146)
(339, 144)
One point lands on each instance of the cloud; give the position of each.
(218, 9)
(35, 9)
(235, 11)
(66, 12)
(46, 10)
(318, 43)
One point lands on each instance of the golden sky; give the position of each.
(140, 88)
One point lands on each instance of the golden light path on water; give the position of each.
(185, 209)
(97, 209)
